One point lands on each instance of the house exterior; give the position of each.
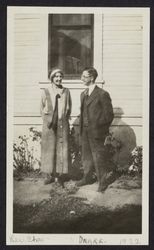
(111, 41)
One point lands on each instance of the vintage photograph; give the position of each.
(77, 126)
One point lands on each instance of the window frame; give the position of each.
(74, 27)
(97, 47)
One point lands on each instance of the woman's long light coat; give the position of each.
(55, 145)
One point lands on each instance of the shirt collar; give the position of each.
(91, 88)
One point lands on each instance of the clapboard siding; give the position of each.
(37, 120)
(125, 20)
(23, 129)
(122, 61)
(123, 37)
(131, 108)
(117, 50)
(27, 63)
(121, 67)
(123, 92)
(119, 96)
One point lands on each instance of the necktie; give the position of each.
(86, 96)
(55, 114)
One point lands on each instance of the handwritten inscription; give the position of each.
(100, 241)
(130, 241)
(90, 241)
(30, 239)
(82, 240)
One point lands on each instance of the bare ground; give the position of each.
(40, 208)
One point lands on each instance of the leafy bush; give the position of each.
(26, 151)
(136, 161)
(74, 150)
(114, 146)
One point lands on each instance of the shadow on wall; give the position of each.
(126, 137)
(123, 139)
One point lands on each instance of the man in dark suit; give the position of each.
(95, 120)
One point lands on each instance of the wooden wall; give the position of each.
(122, 70)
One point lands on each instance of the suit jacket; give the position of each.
(99, 111)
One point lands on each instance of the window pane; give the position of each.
(71, 19)
(70, 48)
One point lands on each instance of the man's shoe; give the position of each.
(49, 180)
(82, 182)
(102, 188)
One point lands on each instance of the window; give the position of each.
(70, 46)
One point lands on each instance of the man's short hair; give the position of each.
(92, 71)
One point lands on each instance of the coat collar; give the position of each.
(92, 96)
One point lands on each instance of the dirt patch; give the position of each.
(40, 208)
(30, 190)
(115, 196)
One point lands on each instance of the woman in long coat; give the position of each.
(55, 111)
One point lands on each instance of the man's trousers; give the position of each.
(93, 158)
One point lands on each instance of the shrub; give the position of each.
(74, 150)
(26, 151)
(136, 161)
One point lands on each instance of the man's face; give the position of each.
(86, 78)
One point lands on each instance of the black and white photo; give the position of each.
(77, 126)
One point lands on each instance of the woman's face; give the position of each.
(57, 79)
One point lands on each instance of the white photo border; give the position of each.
(75, 239)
